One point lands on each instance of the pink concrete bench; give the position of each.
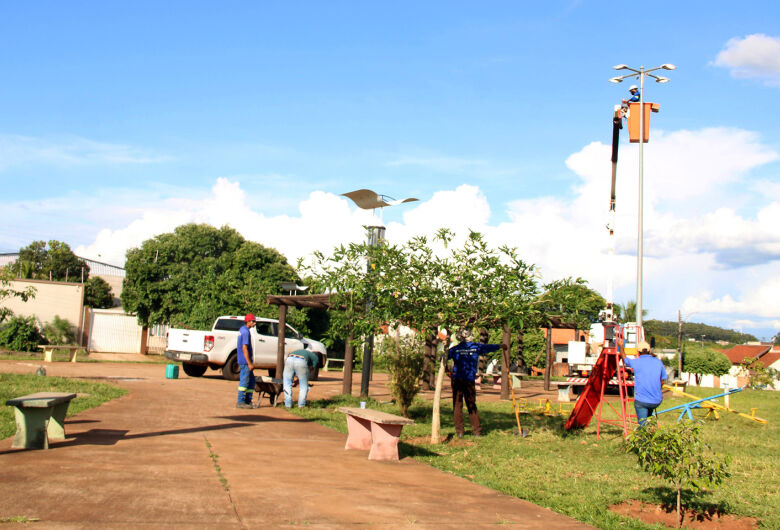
(374, 431)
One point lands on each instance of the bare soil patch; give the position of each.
(666, 515)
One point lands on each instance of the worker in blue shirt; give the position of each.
(245, 358)
(634, 91)
(649, 376)
(464, 372)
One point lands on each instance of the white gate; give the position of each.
(113, 332)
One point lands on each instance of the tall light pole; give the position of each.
(369, 200)
(641, 73)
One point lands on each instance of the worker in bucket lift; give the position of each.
(634, 98)
(649, 376)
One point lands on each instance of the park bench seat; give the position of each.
(374, 431)
(40, 417)
(49, 349)
(564, 390)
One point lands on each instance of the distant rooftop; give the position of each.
(97, 268)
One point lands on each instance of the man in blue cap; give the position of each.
(649, 376)
(245, 358)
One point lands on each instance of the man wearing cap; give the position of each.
(464, 371)
(245, 358)
(634, 91)
(297, 363)
(649, 375)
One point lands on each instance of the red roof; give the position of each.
(737, 354)
(769, 359)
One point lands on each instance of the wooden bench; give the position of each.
(374, 431)
(49, 349)
(330, 361)
(564, 390)
(40, 417)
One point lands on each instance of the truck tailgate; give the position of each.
(186, 340)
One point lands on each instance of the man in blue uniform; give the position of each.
(245, 358)
(649, 376)
(634, 91)
(464, 371)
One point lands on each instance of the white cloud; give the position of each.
(18, 150)
(702, 253)
(755, 56)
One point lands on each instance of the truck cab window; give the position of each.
(265, 328)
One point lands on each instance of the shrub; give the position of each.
(97, 293)
(677, 454)
(405, 360)
(20, 334)
(59, 331)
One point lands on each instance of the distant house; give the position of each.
(765, 354)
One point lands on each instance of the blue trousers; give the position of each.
(644, 411)
(246, 384)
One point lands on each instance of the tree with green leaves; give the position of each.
(191, 276)
(705, 362)
(97, 293)
(50, 261)
(8, 291)
(759, 376)
(677, 454)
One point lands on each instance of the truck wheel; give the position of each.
(230, 370)
(194, 370)
(272, 372)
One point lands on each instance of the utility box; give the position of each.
(634, 117)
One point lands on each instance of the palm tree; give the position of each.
(627, 312)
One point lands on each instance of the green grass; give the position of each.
(60, 356)
(16, 385)
(577, 475)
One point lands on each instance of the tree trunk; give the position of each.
(429, 366)
(520, 359)
(436, 415)
(548, 364)
(349, 355)
(506, 340)
(679, 508)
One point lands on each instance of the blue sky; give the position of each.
(118, 122)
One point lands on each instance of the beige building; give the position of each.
(63, 299)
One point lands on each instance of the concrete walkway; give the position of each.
(176, 453)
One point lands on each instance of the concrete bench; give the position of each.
(40, 417)
(49, 349)
(374, 431)
(564, 390)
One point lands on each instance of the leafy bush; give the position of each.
(405, 360)
(533, 348)
(20, 334)
(677, 454)
(59, 331)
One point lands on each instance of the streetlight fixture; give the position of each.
(640, 74)
(370, 200)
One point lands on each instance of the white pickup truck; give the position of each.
(215, 349)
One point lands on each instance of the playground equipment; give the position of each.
(591, 400)
(707, 403)
(536, 406)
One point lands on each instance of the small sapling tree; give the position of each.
(677, 454)
(405, 359)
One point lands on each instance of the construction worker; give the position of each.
(634, 91)
(464, 371)
(245, 358)
(649, 376)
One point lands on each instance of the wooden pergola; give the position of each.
(317, 301)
